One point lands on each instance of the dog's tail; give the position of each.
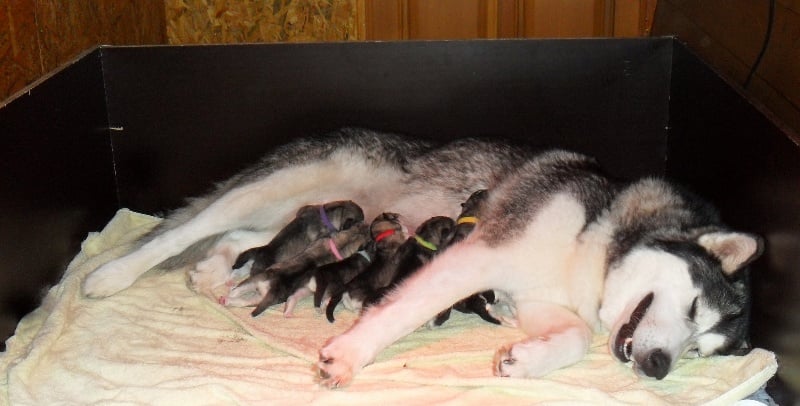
(194, 253)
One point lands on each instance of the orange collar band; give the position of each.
(467, 219)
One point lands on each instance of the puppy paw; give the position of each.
(109, 279)
(508, 321)
(243, 296)
(525, 359)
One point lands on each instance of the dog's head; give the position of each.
(671, 298)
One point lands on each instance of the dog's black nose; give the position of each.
(656, 365)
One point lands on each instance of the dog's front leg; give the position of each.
(454, 274)
(557, 338)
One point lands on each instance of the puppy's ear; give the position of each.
(306, 210)
(733, 249)
(348, 223)
(353, 210)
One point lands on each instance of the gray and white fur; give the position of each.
(573, 251)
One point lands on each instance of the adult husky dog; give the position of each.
(575, 252)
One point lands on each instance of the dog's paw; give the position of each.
(109, 279)
(338, 363)
(210, 273)
(525, 359)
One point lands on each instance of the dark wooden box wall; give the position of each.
(145, 127)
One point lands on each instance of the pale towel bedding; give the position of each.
(160, 343)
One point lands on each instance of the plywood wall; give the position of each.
(237, 21)
(37, 36)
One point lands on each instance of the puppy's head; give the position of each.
(343, 214)
(437, 230)
(668, 299)
(387, 231)
(472, 206)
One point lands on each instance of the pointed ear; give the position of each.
(734, 250)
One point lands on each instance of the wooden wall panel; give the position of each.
(19, 56)
(37, 36)
(632, 18)
(447, 19)
(458, 19)
(728, 34)
(563, 18)
(386, 19)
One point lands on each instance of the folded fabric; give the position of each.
(159, 342)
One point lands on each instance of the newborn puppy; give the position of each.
(332, 277)
(310, 224)
(387, 236)
(479, 302)
(369, 288)
(430, 237)
(283, 279)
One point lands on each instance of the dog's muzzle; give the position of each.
(623, 343)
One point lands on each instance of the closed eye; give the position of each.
(693, 310)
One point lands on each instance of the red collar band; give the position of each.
(384, 234)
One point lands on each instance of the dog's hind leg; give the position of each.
(264, 205)
(215, 270)
(557, 337)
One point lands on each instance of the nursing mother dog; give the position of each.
(647, 261)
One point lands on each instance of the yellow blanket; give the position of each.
(160, 343)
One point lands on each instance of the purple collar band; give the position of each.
(325, 220)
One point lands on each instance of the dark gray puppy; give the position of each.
(477, 303)
(387, 236)
(278, 282)
(369, 288)
(332, 277)
(311, 223)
